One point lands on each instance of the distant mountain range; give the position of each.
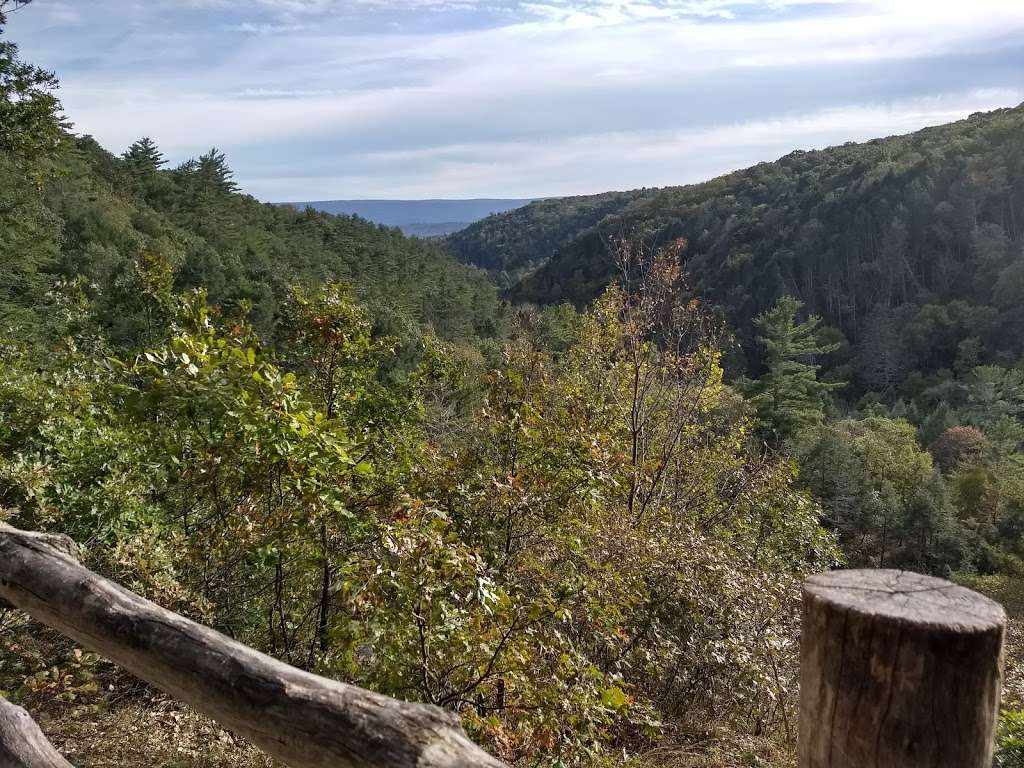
(423, 218)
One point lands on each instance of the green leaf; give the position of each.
(614, 697)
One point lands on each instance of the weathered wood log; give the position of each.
(898, 670)
(22, 743)
(304, 720)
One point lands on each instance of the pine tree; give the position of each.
(31, 122)
(994, 393)
(143, 157)
(213, 174)
(207, 189)
(789, 396)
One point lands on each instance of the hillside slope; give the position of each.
(108, 220)
(511, 244)
(910, 245)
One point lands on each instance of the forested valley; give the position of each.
(873, 297)
(562, 473)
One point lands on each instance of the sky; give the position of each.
(334, 99)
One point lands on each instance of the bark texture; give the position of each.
(898, 670)
(22, 744)
(303, 720)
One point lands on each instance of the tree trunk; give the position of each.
(898, 670)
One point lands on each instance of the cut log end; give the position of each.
(898, 670)
(921, 601)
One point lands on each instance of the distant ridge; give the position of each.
(910, 247)
(419, 217)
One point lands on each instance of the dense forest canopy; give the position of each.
(874, 295)
(512, 244)
(335, 443)
(583, 526)
(118, 225)
(896, 242)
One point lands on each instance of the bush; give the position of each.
(1010, 739)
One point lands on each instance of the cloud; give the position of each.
(508, 97)
(265, 28)
(615, 160)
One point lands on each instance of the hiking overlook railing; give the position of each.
(897, 671)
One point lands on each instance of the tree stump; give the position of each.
(898, 670)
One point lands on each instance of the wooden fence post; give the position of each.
(898, 670)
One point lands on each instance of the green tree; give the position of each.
(212, 174)
(31, 126)
(559, 570)
(31, 136)
(143, 158)
(994, 393)
(789, 396)
(879, 357)
(601, 483)
(881, 494)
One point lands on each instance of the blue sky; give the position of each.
(322, 99)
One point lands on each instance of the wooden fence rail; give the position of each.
(304, 720)
(897, 671)
(22, 744)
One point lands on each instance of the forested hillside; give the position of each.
(582, 527)
(324, 439)
(908, 245)
(512, 244)
(121, 226)
(874, 292)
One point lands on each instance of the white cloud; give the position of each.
(264, 28)
(521, 97)
(621, 160)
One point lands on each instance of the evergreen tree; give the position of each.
(879, 355)
(31, 137)
(143, 157)
(213, 174)
(994, 393)
(937, 422)
(789, 396)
